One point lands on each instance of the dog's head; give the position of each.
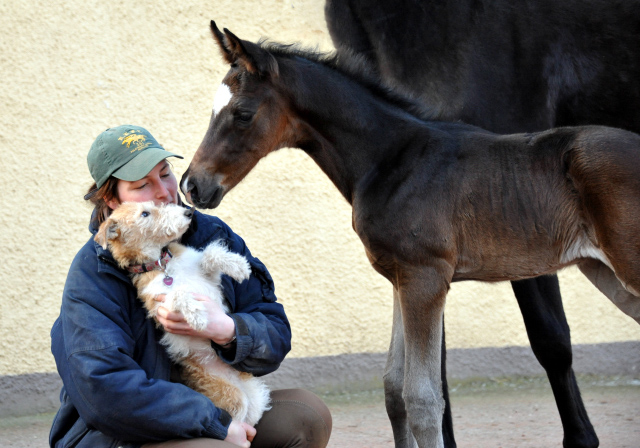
(136, 232)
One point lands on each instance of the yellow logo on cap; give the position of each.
(139, 141)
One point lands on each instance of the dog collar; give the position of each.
(160, 264)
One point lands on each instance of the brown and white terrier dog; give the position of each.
(143, 239)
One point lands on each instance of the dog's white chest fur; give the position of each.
(194, 272)
(187, 273)
(188, 276)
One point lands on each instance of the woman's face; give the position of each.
(159, 186)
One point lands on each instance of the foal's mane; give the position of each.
(356, 67)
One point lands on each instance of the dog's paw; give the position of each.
(193, 310)
(238, 268)
(217, 258)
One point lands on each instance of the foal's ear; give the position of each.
(251, 56)
(108, 231)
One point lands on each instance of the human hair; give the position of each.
(100, 196)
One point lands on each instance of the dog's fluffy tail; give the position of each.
(259, 401)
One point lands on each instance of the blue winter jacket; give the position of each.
(117, 389)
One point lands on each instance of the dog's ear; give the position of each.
(108, 230)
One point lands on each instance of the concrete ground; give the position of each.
(493, 413)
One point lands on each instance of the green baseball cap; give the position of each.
(126, 152)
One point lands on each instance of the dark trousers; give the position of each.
(297, 418)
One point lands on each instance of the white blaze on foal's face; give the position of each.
(222, 98)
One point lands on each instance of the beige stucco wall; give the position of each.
(72, 68)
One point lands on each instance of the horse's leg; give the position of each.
(394, 379)
(548, 331)
(447, 420)
(422, 294)
(606, 281)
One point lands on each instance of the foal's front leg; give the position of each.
(422, 293)
(393, 385)
(394, 380)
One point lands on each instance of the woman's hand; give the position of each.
(240, 434)
(220, 327)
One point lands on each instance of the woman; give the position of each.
(119, 387)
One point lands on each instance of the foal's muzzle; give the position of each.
(202, 193)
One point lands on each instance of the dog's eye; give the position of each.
(144, 214)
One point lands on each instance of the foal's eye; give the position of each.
(243, 117)
(144, 214)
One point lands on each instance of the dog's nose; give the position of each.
(189, 212)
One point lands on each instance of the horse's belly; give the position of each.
(499, 274)
(514, 262)
(508, 264)
(496, 273)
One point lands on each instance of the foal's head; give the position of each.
(250, 119)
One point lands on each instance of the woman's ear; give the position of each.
(112, 203)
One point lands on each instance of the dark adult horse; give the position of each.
(433, 202)
(507, 67)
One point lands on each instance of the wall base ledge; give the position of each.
(36, 393)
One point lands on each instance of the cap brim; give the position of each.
(142, 164)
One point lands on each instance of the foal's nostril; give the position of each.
(193, 193)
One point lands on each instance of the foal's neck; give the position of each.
(346, 129)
